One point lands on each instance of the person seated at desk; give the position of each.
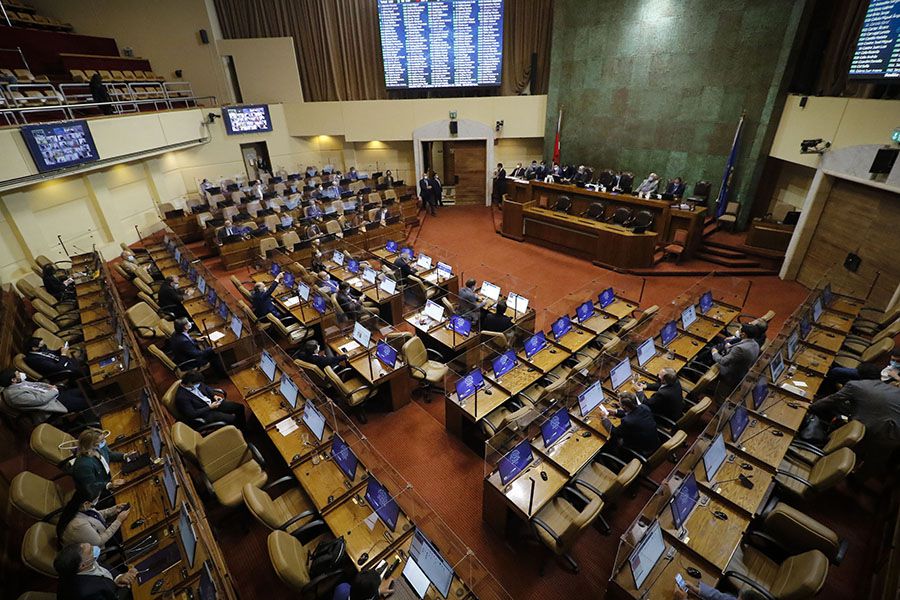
(668, 397)
(205, 186)
(367, 585)
(535, 171)
(580, 175)
(382, 215)
(518, 172)
(196, 400)
(332, 191)
(388, 178)
(53, 365)
(648, 186)
(352, 307)
(316, 264)
(497, 320)
(91, 467)
(311, 353)
(186, 351)
(401, 264)
(469, 304)
(735, 359)
(348, 221)
(675, 188)
(706, 592)
(551, 175)
(352, 174)
(293, 201)
(171, 298)
(55, 285)
(81, 522)
(228, 229)
(261, 299)
(81, 577)
(636, 430)
(838, 376)
(285, 222)
(891, 373)
(619, 183)
(43, 400)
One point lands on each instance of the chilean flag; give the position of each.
(556, 142)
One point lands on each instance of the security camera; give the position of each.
(816, 146)
(211, 117)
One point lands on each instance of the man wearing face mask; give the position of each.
(53, 365)
(186, 351)
(261, 300)
(171, 298)
(43, 399)
(310, 352)
(82, 577)
(196, 400)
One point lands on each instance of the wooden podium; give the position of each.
(514, 219)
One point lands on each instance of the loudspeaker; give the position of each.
(852, 262)
(204, 37)
(454, 127)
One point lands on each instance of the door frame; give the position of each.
(439, 131)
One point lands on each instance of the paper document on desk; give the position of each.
(348, 347)
(292, 301)
(215, 336)
(385, 330)
(371, 520)
(794, 389)
(287, 426)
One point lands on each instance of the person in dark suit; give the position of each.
(401, 263)
(52, 365)
(735, 360)
(533, 171)
(676, 188)
(426, 194)
(186, 352)
(261, 298)
(636, 430)
(497, 320)
(196, 400)
(55, 285)
(668, 397)
(81, 577)
(228, 229)
(438, 189)
(170, 297)
(351, 306)
(499, 182)
(311, 353)
(91, 468)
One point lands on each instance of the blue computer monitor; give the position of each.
(211, 297)
(155, 439)
(535, 344)
(467, 385)
(314, 420)
(237, 326)
(188, 538)
(648, 552)
(337, 257)
(353, 266)
(288, 280)
(391, 246)
(805, 326)
(222, 310)
(561, 326)
(145, 409)
(206, 590)
(776, 366)
(791, 344)
(668, 333)
(407, 252)
(380, 500)
(460, 325)
(267, 365)
(620, 373)
(738, 423)
(274, 269)
(170, 484)
(714, 457)
(386, 354)
(646, 351)
(827, 294)
(504, 363)
(706, 302)
(178, 255)
(760, 392)
(343, 457)
(684, 500)
(193, 275)
(288, 390)
(554, 427)
(606, 297)
(318, 303)
(590, 398)
(303, 291)
(515, 461)
(584, 311)
(688, 316)
(201, 284)
(817, 309)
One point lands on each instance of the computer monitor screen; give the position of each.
(369, 275)
(620, 373)
(445, 270)
(407, 252)
(423, 262)
(490, 291)
(337, 257)
(145, 409)
(791, 345)
(554, 427)
(584, 311)
(344, 457)
(188, 539)
(646, 351)
(236, 325)
(288, 280)
(688, 316)
(222, 310)
(267, 365)
(738, 422)
(648, 552)
(361, 335)
(303, 291)
(386, 354)
(817, 309)
(58, 145)
(434, 311)
(207, 588)
(201, 284)
(246, 119)
(668, 333)
(714, 457)
(314, 420)
(760, 391)
(467, 385)
(684, 500)
(289, 390)
(590, 398)
(504, 363)
(388, 286)
(776, 366)
(460, 325)
(391, 246)
(211, 297)
(518, 303)
(380, 500)
(155, 439)
(561, 326)
(170, 484)
(706, 302)
(353, 266)
(535, 344)
(178, 255)
(606, 297)
(827, 294)
(805, 326)
(517, 459)
(318, 303)
(430, 561)
(274, 269)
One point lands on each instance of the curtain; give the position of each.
(845, 24)
(338, 44)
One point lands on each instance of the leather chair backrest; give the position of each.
(289, 240)
(668, 447)
(596, 210)
(42, 320)
(317, 372)
(800, 576)
(45, 441)
(34, 495)
(53, 342)
(831, 469)
(45, 308)
(289, 559)
(643, 219)
(627, 475)
(142, 315)
(20, 364)
(148, 301)
(693, 414)
(39, 548)
(845, 436)
(240, 287)
(222, 451)
(186, 440)
(168, 399)
(796, 529)
(339, 385)
(876, 350)
(267, 244)
(414, 352)
(163, 357)
(261, 506)
(621, 215)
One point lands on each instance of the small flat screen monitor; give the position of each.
(438, 571)
(369, 275)
(423, 262)
(207, 588)
(668, 333)
(434, 311)
(267, 365)
(289, 390)
(648, 552)
(791, 344)
(211, 297)
(606, 297)
(590, 398)
(222, 310)
(584, 311)
(518, 303)
(714, 457)
(170, 483)
(467, 385)
(776, 366)
(344, 457)
(760, 392)
(59, 145)
(460, 325)
(561, 326)
(490, 291)
(178, 255)
(620, 373)
(361, 335)
(303, 291)
(246, 119)
(188, 539)
(684, 500)
(274, 269)
(288, 280)
(193, 275)
(318, 303)
(407, 252)
(504, 363)
(386, 354)
(145, 409)
(555, 426)
(391, 246)
(155, 439)
(805, 326)
(337, 258)
(383, 504)
(885, 158)
(817, 309)
(646, 351)
(353, 266)
(236, 325)
(445, 270)
(688, 316)
(535, 344)
(738, 423)
(706, 302)
(201, 284)
(314, 420)
(515, 461)
(388, 286)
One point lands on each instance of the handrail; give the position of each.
(7, 109)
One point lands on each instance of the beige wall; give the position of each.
(266, 69)
(510, 151)
(791, 185)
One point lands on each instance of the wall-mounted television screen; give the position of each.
(247, 119)
(877, 42)
(441, 43)
(59, 145)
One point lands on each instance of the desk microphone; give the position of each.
(744, 479)
(763, 430)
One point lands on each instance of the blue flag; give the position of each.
(722, 199)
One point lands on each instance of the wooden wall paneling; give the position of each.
(469, 166)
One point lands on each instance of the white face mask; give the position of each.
(130, 258)
(188, 327)
(22, 377)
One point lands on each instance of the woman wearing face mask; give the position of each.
(81, 576)
(82, 522)
(91, 469)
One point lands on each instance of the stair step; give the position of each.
(750, 250)
(723, 252)
(728, 262)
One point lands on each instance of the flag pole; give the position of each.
(725, 187)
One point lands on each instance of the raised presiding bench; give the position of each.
(603, 243)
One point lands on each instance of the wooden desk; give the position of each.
(771, 236)
(122, 424)
(782, 408)
(472, 409)
(518, 378)
(759, 441)
(573, 451)
(98, 330)
(825, 340)
(252, 380)
(619, 308)
(270, 407)
(806, 381)
(751, 500)
(705, 329)
(549, 357)
(835, 322)
(390, 307)
(685, 346)
(401, 552)
(148, 502)
(513, 499)
(846, 305)
(174, 575)
(393, 383)
(599, 322)
(659, 362)
(348, 519)
(326, 484)
(575, 339)
(710, 537)
(660, 582)
(299, 444)
(513, 219)
(811, 359)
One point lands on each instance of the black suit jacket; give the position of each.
(675, 189)
(223, 233)
(262, 301)
(183, 348)
(405, 269)
(87, 587)
(170, 298)
(494, 322)
(426, 189)
(52, 364)
(637, 431)
(54, 285)
(668, 400)
(190, 406)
